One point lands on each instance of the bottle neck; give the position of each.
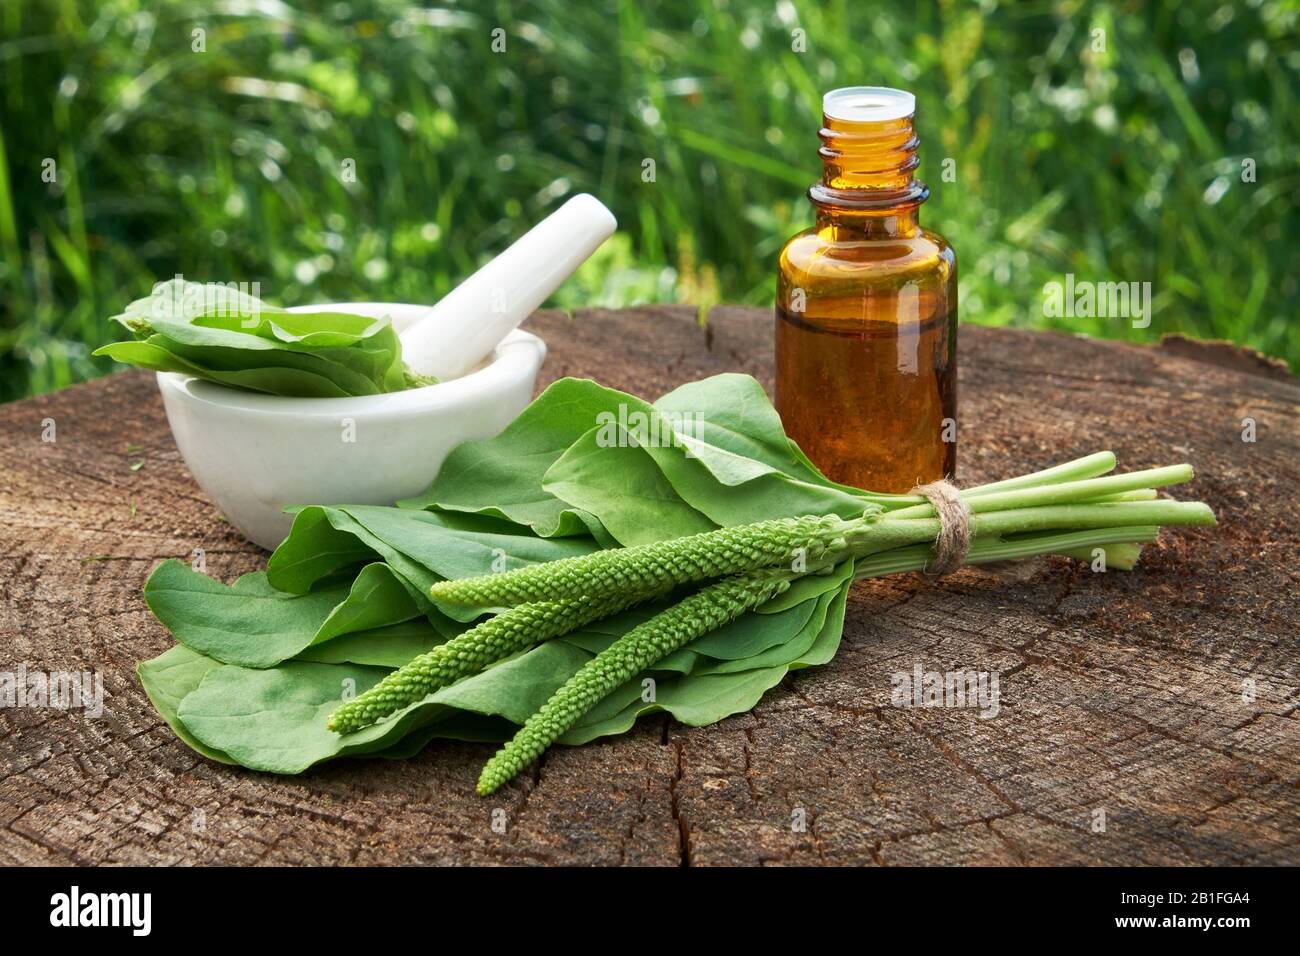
(867, 186)
(847, 225)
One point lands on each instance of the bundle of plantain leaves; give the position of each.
(349, 597)
(225, 335)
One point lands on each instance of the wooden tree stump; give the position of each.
(1147, 717)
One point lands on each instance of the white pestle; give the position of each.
(465, 326)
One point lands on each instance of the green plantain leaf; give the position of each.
(828, 639)
(699, 701)
(377, 598)
(390, 646)
(298, 568)
(220, 307)
(502, 476)
(783, 653)
(723, 481)
(274, 719)
(275, 381)
(312, 550)
(252, 624)
(695, 701)
(624, 489)
(167, 679)
(699, 485)
(226, 336)
(732, 414)
(223, 361)
(248, 623)
(516, 688)
(462, 546)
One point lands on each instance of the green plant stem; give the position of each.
(1063, 492)
(1141, 494)
(1080, 516)
(1089, 466)
(891, 532)
(916, 557)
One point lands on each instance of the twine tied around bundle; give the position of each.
(953, 540)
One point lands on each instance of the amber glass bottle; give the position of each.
(866, 308)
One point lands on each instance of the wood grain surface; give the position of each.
(1161, 702)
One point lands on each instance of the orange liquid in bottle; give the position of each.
(866, 317)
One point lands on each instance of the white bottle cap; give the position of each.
(868, 104)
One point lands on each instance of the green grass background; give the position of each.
(225, 165)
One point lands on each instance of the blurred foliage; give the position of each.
(1120, 164)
